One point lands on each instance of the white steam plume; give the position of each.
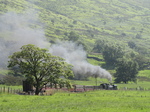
(76, 56)
(16, 31)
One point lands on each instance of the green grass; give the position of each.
(94, 101)
(13, 87)
(95, 62)
(4, 71)
(144, 76)
(144, 85)
(144, 73)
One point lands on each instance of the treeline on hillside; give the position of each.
(127, 62)
(113, 51)
(12, 77)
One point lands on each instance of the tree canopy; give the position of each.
(40, 67)
(126, 71)
(73, 36)
(111, 51)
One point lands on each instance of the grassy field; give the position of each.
(13, 87)
(94, 101)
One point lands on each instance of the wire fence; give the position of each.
(137, 88)
(9, 90)
(51, 91)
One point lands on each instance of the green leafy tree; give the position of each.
(12, 80)
(39, 66)
(100, 45)
(142, 61)
(73, 36)
(112, 53)
(139, 36)
(131, 44)
(81, 43)
(126, 71)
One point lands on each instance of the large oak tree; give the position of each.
(40, 67)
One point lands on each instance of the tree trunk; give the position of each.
(37, 91)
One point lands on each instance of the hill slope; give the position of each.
(115, 20)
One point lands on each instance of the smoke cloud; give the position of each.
(17, 30)
(76, 56)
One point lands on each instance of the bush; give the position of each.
(12, 80)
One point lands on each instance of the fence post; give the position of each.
(8, 89)
(4, 89)
(13, 91)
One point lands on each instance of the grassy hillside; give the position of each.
(115, 20)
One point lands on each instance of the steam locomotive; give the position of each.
(103, 86)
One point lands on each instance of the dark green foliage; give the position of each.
(71, 26)
(112, 53)
(138, 36)
(12, 80)
(2, 79)
(53, 21)
(74, 22)
(82, 43)
(73, 36)
(142, 61)
(100, 45)
(14, 77)
(123, 34)
(15, 71)
(131, 44)
(126, 71)
(57, 32)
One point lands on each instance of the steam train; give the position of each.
(76, 88)
(103, 86)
